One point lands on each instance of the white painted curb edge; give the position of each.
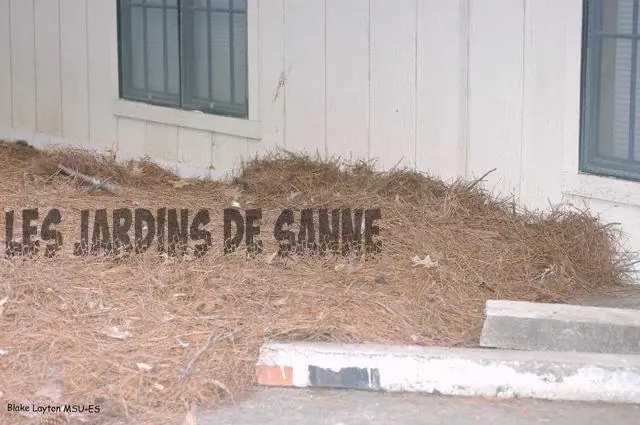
(462, 371)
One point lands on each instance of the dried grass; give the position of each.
(58, 309)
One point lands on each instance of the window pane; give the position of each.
(220, 57)
(220, 4)
(215, 57)
(240, 57)
(615, 98)
(137, 48)
(171, 3)
(173, 52)
(150, 57)
(198, 58)
(617, 16)
(162, 53)
(155, 49)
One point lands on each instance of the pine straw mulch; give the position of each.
(58, 310)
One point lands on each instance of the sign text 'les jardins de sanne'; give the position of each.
(340, 231)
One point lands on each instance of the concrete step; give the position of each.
(560, 327)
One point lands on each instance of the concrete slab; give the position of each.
(452, 371)
(280, 406)
(627, 296)
(560, 327)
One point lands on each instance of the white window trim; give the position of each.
(608, 189)
(190, 119)
(250, 128)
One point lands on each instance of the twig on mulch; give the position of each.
(476, 181)
(211, 340)
(95, 183)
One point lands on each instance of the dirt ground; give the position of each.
(146, 336)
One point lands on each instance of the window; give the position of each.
(611, 89)
(188, 54)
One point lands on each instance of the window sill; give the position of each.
(189, 119)
(608, 189)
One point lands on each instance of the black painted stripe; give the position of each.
(349, 377)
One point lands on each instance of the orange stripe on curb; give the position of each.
(274, 375)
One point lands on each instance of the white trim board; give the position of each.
(189, 119)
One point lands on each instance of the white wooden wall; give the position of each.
(451, 87)
(365, 78)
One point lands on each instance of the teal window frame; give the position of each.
(183, 91)
(592, 160)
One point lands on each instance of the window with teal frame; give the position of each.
(187, 54)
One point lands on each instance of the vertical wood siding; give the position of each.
(453, 88)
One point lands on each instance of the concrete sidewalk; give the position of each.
(284, 406)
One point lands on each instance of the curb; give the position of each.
(452, 371)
